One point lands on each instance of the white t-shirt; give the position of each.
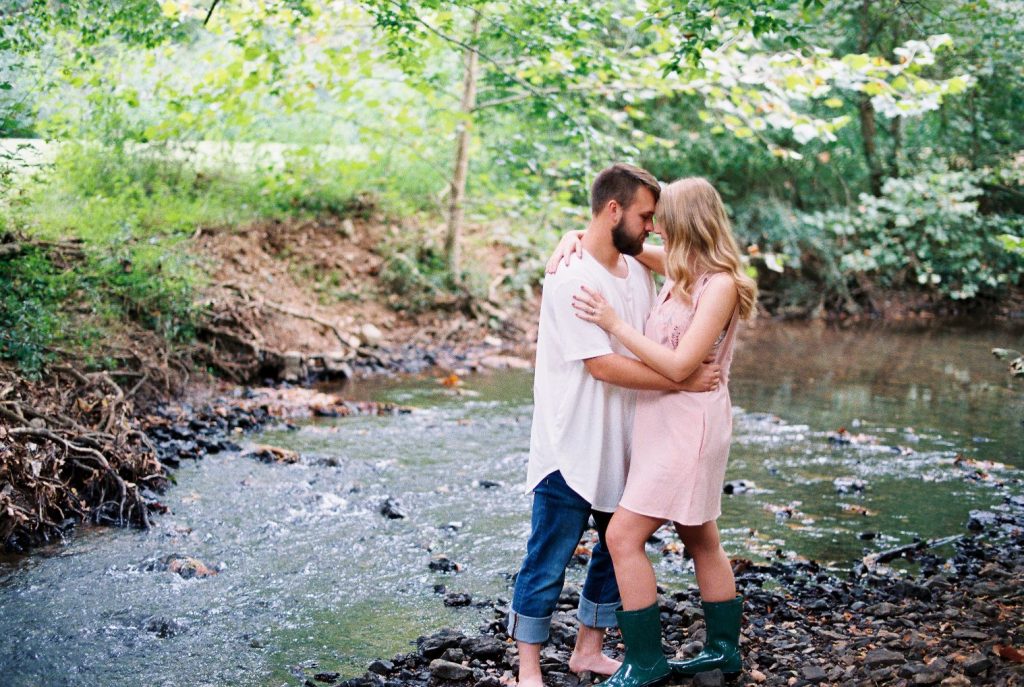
(581, 426)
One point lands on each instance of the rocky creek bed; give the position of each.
(957, 619)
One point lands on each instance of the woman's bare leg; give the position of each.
(627, 534)
(714, 572)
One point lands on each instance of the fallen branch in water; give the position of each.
(873, 559)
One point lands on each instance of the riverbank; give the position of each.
(282, 302)
(956, 620)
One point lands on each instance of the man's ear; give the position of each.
(615, 209)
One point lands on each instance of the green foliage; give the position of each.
(925, 232)
(31, 290)
(415, 273)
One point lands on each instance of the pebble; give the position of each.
(446, 670)
(927, 677)
(879, 658)
(712, 678)
(976, 664)
(392, 508)
(813, 673)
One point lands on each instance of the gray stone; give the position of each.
(336, 364)
(484, 647)
(882, 610)
(880, 658)
(453, 655)
(381, 667)
(436, 644)
(713, 678)
(446, 670)
(970, 634)
(370, 335)
(976, 664)
(927, 677)
(813, 673)
(294, 366)
(955, 681)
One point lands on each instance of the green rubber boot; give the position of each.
(722, 648)
(644, 664)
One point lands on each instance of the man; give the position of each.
(582, 421)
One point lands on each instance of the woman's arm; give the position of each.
(569, 244)
(653, 258)
(713, 313)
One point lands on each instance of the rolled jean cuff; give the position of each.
(597, 615)
(523, 628)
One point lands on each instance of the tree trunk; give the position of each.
(459, 173)
(867, 134)
(866, 110)
(896, 131)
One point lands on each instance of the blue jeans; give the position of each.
(560, 516)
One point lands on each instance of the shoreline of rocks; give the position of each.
(957, 621)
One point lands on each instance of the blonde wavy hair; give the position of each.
(699, 240)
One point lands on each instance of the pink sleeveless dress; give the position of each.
(681, 439)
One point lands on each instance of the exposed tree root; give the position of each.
(72, 447)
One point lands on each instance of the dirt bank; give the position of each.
(312, 299)
(92, 440)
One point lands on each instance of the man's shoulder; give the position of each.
(575, 272)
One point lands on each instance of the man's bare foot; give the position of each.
(533, 681)
(598, 663)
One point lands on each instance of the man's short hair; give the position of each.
(620, 183)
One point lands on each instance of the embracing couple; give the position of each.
(632, 424)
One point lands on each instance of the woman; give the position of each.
(680, 440)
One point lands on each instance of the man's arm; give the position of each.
(632, 374)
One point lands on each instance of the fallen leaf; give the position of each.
(1008, 653)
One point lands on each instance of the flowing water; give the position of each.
(312, 572)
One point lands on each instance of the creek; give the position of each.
(311, 571)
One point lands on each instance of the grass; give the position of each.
(134, 211)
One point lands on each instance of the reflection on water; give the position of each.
(313, 571)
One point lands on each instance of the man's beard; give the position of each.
(623, 242)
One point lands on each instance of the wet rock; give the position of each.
(927, 677)
(489, 681)
(881, 610)
(484, 648)
(976, 664)
(272, 454)
(813, 673)
(294, 366)
(330, 678)
(561, 679)
(446, 670)
(392, 508)
(738, 486)
(453, 655)
(164, 627)
(848, 485)
(381, 667)
(444, 564)
(970, 634)
(336, 365)
(433, 646)
(881, 658)
(186, 566)
(712, 678)
(979, 520)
